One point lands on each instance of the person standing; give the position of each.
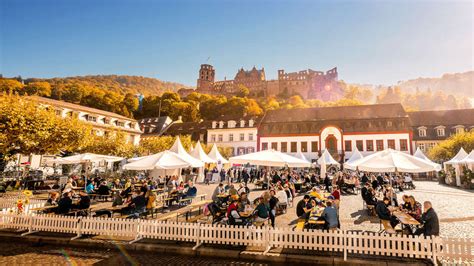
(273, 203)
(327, 183)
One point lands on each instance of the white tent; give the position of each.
(301, 156)
(325, 160)
(269, 158)
(179, 149)
(216, 155)
(419, 154)
(199, 154)
(356, 155)
(85, 158)
(456, 161)
(392, 161)
(163, 160)
(469, 159)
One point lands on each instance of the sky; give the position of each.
(370, 42)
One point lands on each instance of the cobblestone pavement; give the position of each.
(24, 254)
(454, 206)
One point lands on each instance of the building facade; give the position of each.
(340, 130)
(431, 127)
(309, 84)
(238, 134)
(103, 122)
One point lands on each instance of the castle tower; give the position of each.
(206, 78)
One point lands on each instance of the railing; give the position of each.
(455, 250)
(12, 202)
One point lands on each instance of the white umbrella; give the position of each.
(269, 158)
(392, 161)
(216, 155)
(163, 160)
(85, 158)
(199, 154)
(356, 155)
(419, 154)
(179, 149)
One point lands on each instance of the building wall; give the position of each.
(250, 145)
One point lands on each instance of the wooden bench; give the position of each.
(196, 218)
(387, 227)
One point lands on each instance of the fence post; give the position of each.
(78, 228)
(266, 233)
(344, 243)
(434, 249)
(138, 236)
(198, 236)
(30, 226)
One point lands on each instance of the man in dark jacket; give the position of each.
(327, 183)
(64, 204)
(384, 213)
(429, 220)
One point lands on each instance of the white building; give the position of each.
(340, 130)
(238, 134)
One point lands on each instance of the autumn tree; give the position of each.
(40, 88)
(158, 144)
(448, 148)
(11, 86)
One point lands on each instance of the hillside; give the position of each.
(461, 84)
(120, 83)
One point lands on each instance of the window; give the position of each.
(369, 144)
(251, 123)
(250, 150)
(314, 146)
(201, 137)
(231, 124)
(422, 132)
(422, 146)
(214, 124)
(221, 124)
(389, 123)
(348, 145)
(242, 136)
(220, 137)
(440, 132)
(284, 147)
(120, 124)
(250, 136)
(304, 146)
(264, 146)
(293, 147)
(242, 123)
(403, 145)
(360, 145)
(231, 137)
(275, 146)
(460, 130)
(431, 145)
(213, 138)
(391, 144)
(380, 145)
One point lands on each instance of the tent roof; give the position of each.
(419, 154)
(270, 158)
(216, 155)
(162, 160)
(199, 154)
(469, 158)
(356, 155)
(458, 157)
(392, 160)
(326, 158)
(179, 149)
(301, 156)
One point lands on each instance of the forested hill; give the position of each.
(461, 84)
(120, 83)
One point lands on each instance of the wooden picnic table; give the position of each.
(405, 218)
(44, 208)
(245, 214)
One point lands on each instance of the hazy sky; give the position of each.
(369, 41)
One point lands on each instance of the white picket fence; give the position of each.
(11, 202)
(346, 243)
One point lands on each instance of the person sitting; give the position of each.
(429, 221)
(384, 213)
(180, 187)
(83, 204)
(243, 202)
(190, 191)
(232, 191)
(137, 205)
(330, 216)
(261, 212)
(303, 208)
(415, 208)
(315, 193)
(53, 199)
(219, 190)
(233, 215)
(65, 203)
(90, 187)
(408, 181)
(118, 200)
(103, 189)
(406, 203)
(337, 196)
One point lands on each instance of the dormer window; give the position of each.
(221, 124)
(120, 123)
(459, 129)
(214, 124)
(251, 123)
(440, 131)
(242, 123)
(91, 118)
(422, 131)
(231, 124)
